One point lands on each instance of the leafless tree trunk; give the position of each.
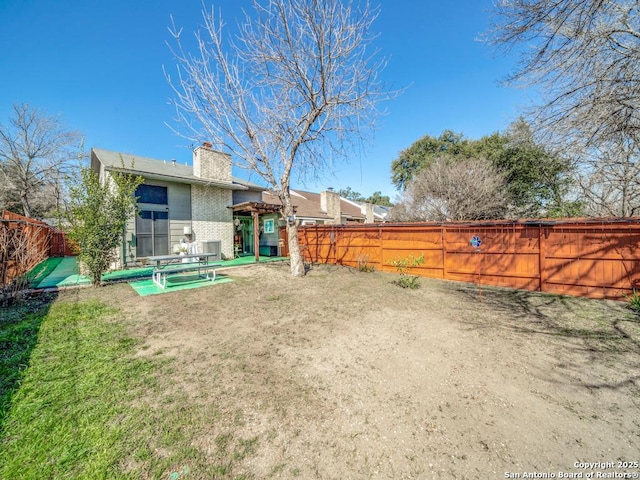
(452, 189)
(35, 153)
(293, 89)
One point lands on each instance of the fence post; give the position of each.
(445, 274)
(337, 237)
(542, 255)
(380, 249)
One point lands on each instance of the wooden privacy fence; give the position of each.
(597, 259)
(24, 242)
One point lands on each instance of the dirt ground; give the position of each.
(342, 374)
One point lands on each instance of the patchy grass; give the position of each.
(19, 327)
(72, 405)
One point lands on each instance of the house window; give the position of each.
(152, 194)
(269, 226)
(152, 232)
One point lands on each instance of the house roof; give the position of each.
(379, 211)
(308, 206)
(162, 170)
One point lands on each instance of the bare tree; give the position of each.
(452, 189)
(22, 247)
(294, 88)
(583, 55)
(35, 154)
(610, 179)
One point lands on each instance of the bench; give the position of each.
(160, 273)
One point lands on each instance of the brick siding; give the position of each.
(211, 217)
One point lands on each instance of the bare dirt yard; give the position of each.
(342, 374)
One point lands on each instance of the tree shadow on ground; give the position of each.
(590, 331)
(19, 329)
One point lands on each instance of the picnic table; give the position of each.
(171, 264)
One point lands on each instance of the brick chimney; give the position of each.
(330, 203)
(211, 164)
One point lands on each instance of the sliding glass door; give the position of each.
(152, 233)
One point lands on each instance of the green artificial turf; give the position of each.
(176, 283)
(65, 274)
(43, 270)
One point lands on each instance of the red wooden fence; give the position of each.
(591, 258)
(58, 245)
(42, 241)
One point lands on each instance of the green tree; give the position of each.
(423, 152)
(378, 199)
(98, 213)
(537, 182)
(522, 168)
(351, 194)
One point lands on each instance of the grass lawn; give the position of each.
(340, 374)
(69, 401)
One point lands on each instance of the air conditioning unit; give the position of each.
(212, 246)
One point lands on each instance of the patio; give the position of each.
(63, 272)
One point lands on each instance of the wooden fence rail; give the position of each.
(590, 258)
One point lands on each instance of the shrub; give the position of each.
(403, 264)
(98, 213)
(363, 264)
(633, 301)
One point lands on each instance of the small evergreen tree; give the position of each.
(98, 213)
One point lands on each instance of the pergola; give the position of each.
(256, 209)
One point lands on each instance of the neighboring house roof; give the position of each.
(351, 210)
(308, 206)
(170, 171)
(379, 211)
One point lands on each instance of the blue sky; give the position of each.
(99, 66)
